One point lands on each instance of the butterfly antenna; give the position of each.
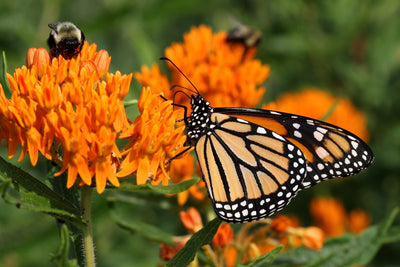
(182, 87)
(176, 67)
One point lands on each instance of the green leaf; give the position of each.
(264, 260)
(39, 197)
(347, 250)
(169, 189)
(199, 239)
(61, 257)
(149, 231)
(3, 76)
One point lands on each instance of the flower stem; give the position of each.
(88, 246)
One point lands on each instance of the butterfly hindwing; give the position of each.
(330, 151)
(250, 171)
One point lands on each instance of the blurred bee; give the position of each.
(244, 34)
(65, 39)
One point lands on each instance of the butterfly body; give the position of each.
(255, 161)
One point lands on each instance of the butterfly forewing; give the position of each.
(250, 171)
(330, 151)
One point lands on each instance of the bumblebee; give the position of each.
(243, 34)
(65, 39)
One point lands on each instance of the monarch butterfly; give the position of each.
(255, 161)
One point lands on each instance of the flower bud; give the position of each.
(223, 235)
(38, 57)
(313, 237)
(41, 59)
(29, 56)
(102, 62)
(191, 219)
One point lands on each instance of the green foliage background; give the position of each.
(350, 47)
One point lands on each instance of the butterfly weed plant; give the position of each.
(70, 113)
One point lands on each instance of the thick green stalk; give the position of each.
(88, 246)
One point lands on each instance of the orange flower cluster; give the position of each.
(316, 104)
(68, 110)
(71, 111)
(330, 215)
(154, 139)
(220, 70)
(252, 240)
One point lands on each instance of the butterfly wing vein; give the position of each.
(247, 170)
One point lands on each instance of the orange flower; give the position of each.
(358, 221)
(154, 139)
(316, 103)
(230, 256)
(67, 112)
(167, 252)
(223, 235)
(313, 238)
(281, 224)
(329, 215)
(191, 219)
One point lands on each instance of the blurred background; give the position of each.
(348, 47)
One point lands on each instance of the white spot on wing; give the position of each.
(319, 136)
(242, 121)
(322, 130)
(261, 130)
(354, 144)
(275, 113)
(296, 125)
(298, 134)
(277, 136)
(321, 152)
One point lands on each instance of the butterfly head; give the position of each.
(199, 121)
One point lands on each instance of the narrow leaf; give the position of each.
(3, 76)
(264, 260)
(169, 189)
(39, 196)
(199, 239)
(149, 231)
